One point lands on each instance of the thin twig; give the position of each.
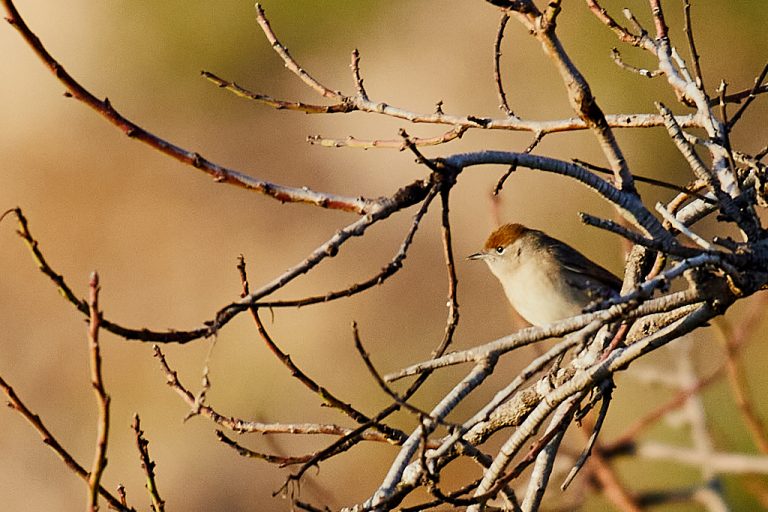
(240, 425)
(503, 104)
(707, 175)
(592, 439)
(355, 66)
(353, 142)
(688, 28)
(363, 104)
(15, 403)
(669, 217)
(395, 264)
(738, 384)
(636, 238)
(662, 31)
(102, 398)
(309, 507)
(148, 465)
(750, 98)
(512, 168)
(650, 181)
(278, 460)
(424, 415)
(585, 104)
(289, 61)
(452, 319)
(621, 32)
(647, 73)
(403, 198)
(725, 136)
(395, 436)
(627, 203)
(341, 445)
(220, 173)
(738, 97)
(275, 103)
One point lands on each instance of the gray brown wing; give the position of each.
(580, 264)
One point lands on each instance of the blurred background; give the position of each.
(165, 238)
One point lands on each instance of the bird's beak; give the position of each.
(477, 256)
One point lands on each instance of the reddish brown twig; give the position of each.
(503, 104)
(688, 28)
(274, 102)
(394, 265)
(387, 433)
(15, 403)
(148, 465)
(279, 460)
(621, 32)
(200, 408)
(220, 173)
(733, 339)
(512, 168)
(102, 398)
(290, 63)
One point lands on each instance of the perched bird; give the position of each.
(544, 279)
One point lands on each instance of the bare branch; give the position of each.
(220, 173)
(750, 98)
(602, 414)
(243, 426)
(503, 104)
(623, 33)
(647, 73)
(565, 380)
(278, 460)
(102, 398)
(50, 440)
(273, 102)
(353, 142)
(512, 168)
(692, 46)
(355, 66)
(148, 465)
(290, 63)
(628, 204)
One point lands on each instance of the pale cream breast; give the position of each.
(538, 294)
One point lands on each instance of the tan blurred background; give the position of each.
(165, 238)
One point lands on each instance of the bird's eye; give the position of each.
(500, 250)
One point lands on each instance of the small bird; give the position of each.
(544, 279)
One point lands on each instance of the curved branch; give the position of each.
(218, 172)
(364, 104)
(628, 204)
(403, 198)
